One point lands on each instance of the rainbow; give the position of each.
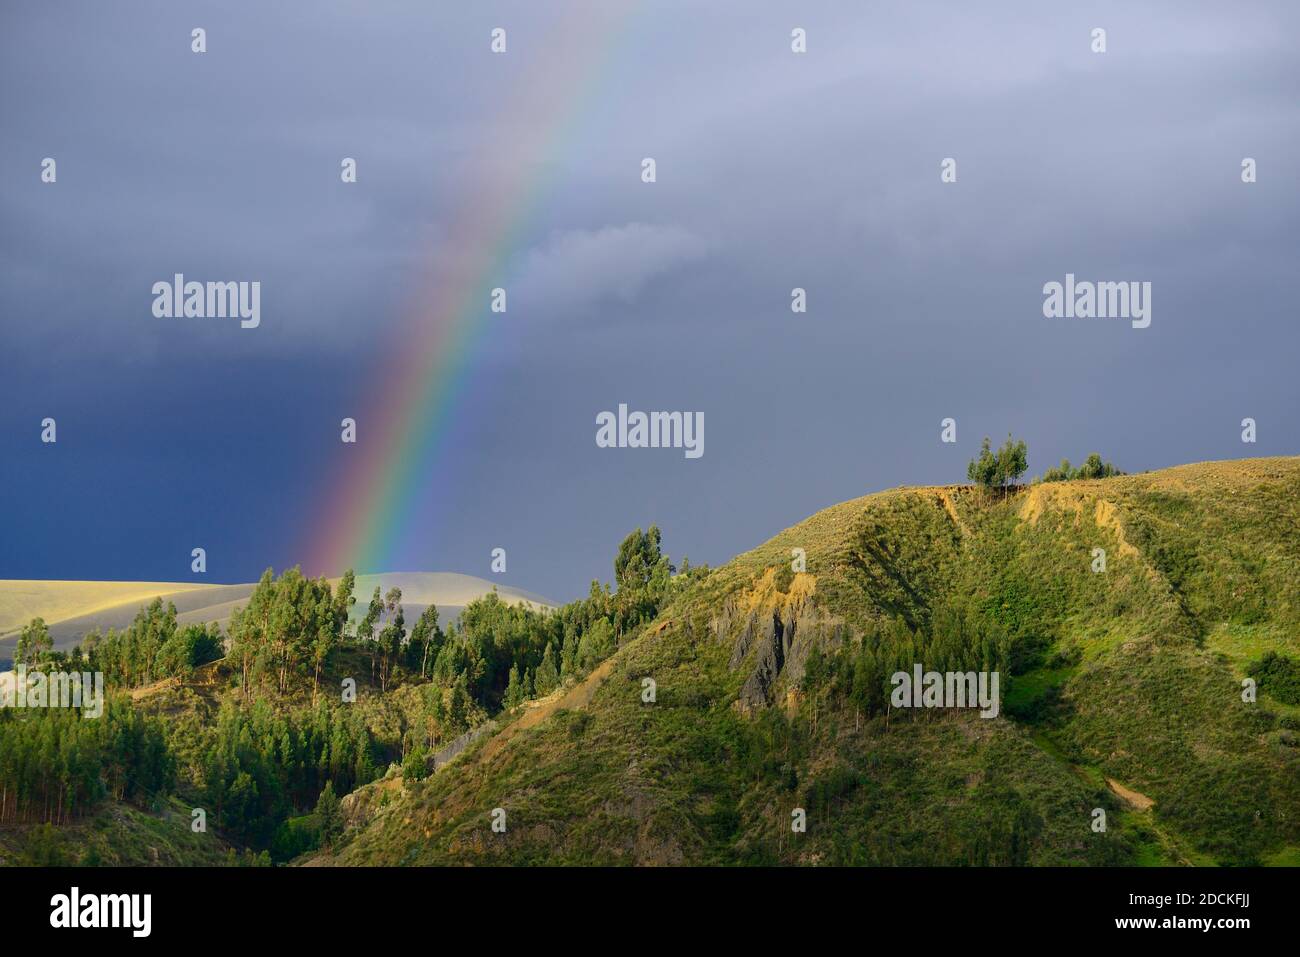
(401, 437)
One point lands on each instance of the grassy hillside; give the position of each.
(1121, 691)
(256, 723)
(72, 609)
(118, 835)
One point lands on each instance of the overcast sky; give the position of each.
(774, 170)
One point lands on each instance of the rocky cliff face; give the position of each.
(772, 630)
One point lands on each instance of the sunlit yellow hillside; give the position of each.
(72, 609)
(21, 601)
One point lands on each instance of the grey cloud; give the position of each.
(577, 268)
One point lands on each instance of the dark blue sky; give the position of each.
(774, 171)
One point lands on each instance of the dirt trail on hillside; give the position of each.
(949, 506)
(576, 697)
(1132, 798)
(571, 699)
(1141, 803)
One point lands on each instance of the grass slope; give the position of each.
(117, 835)
(1132, 675)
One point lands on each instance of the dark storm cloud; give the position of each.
(774, 171)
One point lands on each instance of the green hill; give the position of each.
(118, 835)
(1121, 691)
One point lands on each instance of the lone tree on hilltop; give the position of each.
(1013, 460)
(998, 469)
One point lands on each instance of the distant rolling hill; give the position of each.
(73, 608)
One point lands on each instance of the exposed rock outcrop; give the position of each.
(773, 630)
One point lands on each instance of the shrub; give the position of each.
(1279, 675)
(1092, 468)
